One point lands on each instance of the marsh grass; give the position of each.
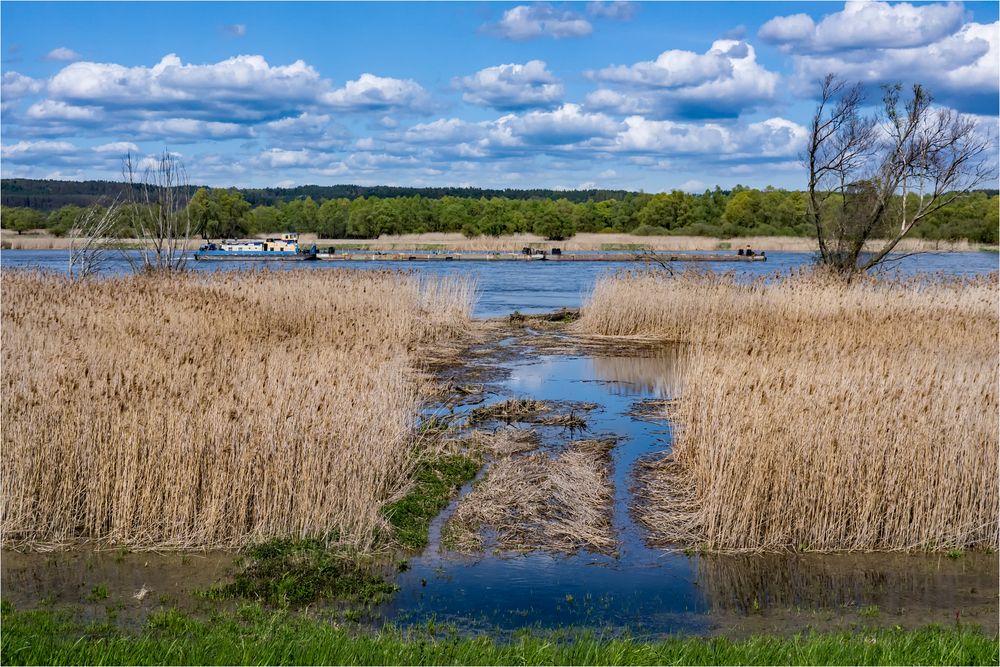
(214, 410)
(820, 415)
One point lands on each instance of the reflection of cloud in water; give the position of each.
(532, 376)
(892, 581)
(660, 373)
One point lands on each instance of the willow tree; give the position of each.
(874, 177)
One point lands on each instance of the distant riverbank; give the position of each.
(41, 240)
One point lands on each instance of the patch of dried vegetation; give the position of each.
(555, 502)
(213, 410)
(821, 414)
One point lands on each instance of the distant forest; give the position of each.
(46, 196)
(351, 211)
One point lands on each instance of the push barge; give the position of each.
(283, 249)
(287, 248)
(442, 256)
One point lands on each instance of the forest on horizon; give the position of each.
(364, 212)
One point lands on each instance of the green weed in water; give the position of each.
(436, 481)
(288, 571)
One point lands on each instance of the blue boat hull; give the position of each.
(222, 255)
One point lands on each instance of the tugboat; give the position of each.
(286, 248)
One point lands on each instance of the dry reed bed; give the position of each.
(555, 502)
(820, 415)
(212, 410)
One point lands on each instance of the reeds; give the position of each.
(212, 410)
(818, 414)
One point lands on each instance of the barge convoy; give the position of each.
(287, 248)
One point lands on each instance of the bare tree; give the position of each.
(91, 240)
(157, 211)
(877, 176)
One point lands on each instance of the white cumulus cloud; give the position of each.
(539, 20)
(721, 82)
(62, 53)
(875, 43)
(14, 85)
(376, 93)
(512, 86)
(864, 24)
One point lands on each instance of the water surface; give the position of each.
(532, 287)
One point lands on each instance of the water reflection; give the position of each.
(894, 582)
(659, 375)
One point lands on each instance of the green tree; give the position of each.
(219, 213)
(332, 217)
(62, 220)
(21, 219)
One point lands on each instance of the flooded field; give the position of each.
(580, 391)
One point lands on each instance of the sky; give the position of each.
(620, 95)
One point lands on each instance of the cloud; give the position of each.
(63, 54)
(617, 10)
(189, 129)
(239, 88)
(566, 125)
(772, 138)
(539, 20)
(722, 82)
(279, 158)
(60, 111)
(376, 93)
(14, 85)
(877, 43)
(863, 25)
(117, 148)
(38, 152)
(512, 87)
(235, 29)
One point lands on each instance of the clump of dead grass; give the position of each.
(213, 410)
(820, 414)
(505, 441)
(558, 503)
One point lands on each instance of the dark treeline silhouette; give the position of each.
(45, 195)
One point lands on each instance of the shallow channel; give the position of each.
(651, 592)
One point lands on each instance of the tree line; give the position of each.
(227, 213)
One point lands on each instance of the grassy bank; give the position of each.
(817, 415)
(214, 410)
(252, 636)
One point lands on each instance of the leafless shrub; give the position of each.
(92, 241)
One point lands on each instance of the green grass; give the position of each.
(98, 593)
(286, 572)
(254, 636)
(437, 480)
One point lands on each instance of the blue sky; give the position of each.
(641, 96)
